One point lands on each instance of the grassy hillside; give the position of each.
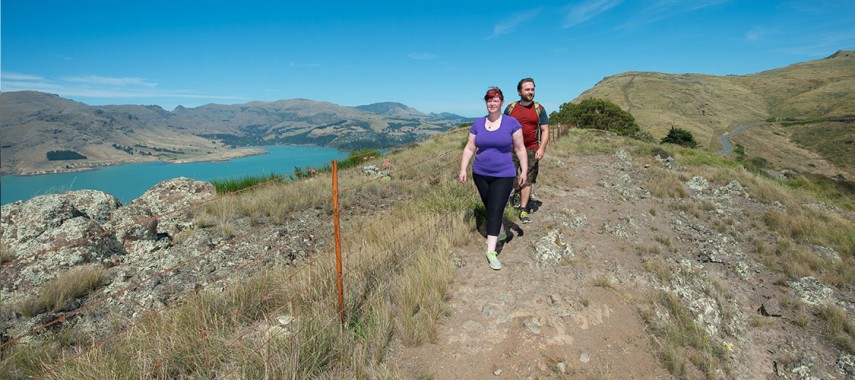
(818, 93)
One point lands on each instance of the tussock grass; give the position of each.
(604, 282)
(6, 254)
(665, 184)
(685, 349)
(659, 267)
(66, 286)
(839, 327)
(804, 226)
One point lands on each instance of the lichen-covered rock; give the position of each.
(27, 220)
(550, 249)
(95, 205)
(77, 241)
(812, 291)
(171, 202)
(134, 224)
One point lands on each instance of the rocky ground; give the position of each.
(569, 301)
(569, 298)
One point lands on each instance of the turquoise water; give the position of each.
(128, 182)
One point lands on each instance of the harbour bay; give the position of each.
(128, 182)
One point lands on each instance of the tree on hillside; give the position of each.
(680, 137)
(601, 114)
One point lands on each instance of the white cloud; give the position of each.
(421, 56)
(109, 81)
(586, 11)
(509, 25)
(94, 86)
(19, 77)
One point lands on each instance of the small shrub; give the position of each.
(680, 137)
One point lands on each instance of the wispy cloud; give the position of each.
(757, 33)
(587, 10)
(511, 24)
(16, 76)
(94, 86)
(421, 56)
(664, 9)
(109, 81)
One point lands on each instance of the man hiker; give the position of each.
(535, 127)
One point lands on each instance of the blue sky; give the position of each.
(435, 56)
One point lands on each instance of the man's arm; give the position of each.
(544, 140)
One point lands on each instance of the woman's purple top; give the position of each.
(494, 149)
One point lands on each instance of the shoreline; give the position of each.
(213, 157)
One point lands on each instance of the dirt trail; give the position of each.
(573, 319)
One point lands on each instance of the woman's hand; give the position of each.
(462, 176)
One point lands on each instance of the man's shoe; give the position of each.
(524, 216)
(493, 260)
(502, 236)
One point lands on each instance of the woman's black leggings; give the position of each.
(495, 192)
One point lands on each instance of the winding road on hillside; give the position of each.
(725, 138)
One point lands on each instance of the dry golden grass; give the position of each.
(839, 327)
(684, 347)
(665, 184)
(603, 282)
(66, 286)
(659, 267)
(6, 254)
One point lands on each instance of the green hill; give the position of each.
(808, 106)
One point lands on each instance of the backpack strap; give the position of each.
(510, 108)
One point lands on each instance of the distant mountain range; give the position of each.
(34, 123)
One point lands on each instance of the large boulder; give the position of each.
(172, 201)
(21, 222)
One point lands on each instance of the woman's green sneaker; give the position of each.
(494, 261)
(524, 216)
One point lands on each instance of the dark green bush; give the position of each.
(601, 114)
(680, 137)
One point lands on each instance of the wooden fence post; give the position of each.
(338, 265)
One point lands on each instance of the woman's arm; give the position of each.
(468, 152)
(522, 155)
